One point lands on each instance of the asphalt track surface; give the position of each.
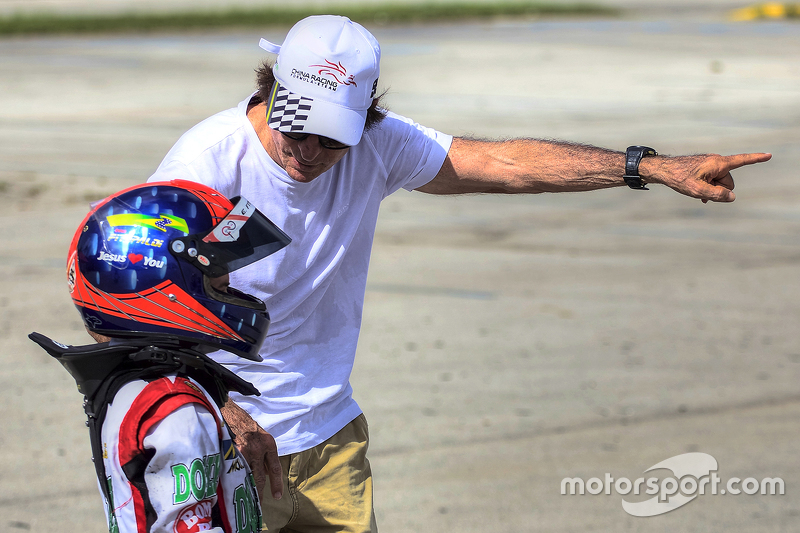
(509, 342)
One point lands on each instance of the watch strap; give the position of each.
(633, 156)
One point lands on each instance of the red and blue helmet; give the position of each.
(142, 262)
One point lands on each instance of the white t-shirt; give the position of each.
(313, 288)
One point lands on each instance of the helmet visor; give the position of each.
(244, 236)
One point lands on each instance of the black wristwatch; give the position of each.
(633, 156)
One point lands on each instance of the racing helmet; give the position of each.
(142, 263)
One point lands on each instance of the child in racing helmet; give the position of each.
(148, 270)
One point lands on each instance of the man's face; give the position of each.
(302, 160)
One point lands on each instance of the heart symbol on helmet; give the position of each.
(135, 258)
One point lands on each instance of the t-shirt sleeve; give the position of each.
(412, 154)
(181, 477)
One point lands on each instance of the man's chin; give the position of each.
(302, 173)
(303, 176)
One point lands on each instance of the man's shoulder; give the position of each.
(207, 135)
(210, 152)
(392, 123)
(397, 134)
(391, 133)
(395, 126)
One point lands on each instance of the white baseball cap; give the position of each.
(326, 78)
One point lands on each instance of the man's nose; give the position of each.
(310, 147)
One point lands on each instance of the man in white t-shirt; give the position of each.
(313, 151)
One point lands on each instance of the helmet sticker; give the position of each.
(161, 222)
(92, 321)
(71, 273)
(135, 239)
(111, 258)
(228, 229)
(146, 261)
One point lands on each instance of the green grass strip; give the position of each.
(38, 24)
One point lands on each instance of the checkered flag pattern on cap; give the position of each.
(289, 111)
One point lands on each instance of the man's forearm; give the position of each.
(527, 166)
(535, 166)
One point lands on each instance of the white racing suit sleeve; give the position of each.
(171, 464)
(181, 477)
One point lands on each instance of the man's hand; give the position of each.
(707, 177)
(258, 448)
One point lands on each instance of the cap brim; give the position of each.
(291, 112)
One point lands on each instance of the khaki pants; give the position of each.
(327, 488)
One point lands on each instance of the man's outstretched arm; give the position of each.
(534, 166)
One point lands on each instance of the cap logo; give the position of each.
(335, 71)
(329, 76)
(314, 79)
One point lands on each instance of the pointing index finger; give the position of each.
(740, 160)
